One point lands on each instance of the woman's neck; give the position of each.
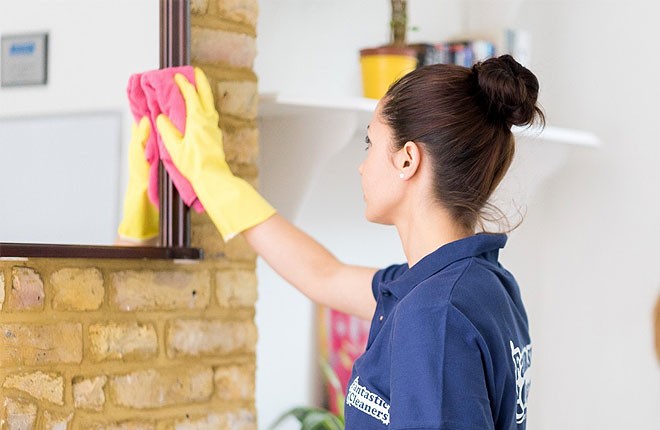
(426, 229)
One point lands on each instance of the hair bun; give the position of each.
(510, 90)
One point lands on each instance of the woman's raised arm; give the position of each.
(312, 269)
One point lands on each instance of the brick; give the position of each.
(201, 337)
(237, 98)
(2, 289)
(242, 419)
(242, 146)
(41, 386)
(199, 6)
(123, 425)
(56, 420)
(151, 388)
(113, 341)
(234, 383)
(88, 392)
(236, 288)
(29, 345)
(19, 414)
(242, 11)
(220, 46)
(149, 290)
(27, 290)
(206, 235)
(77, 289)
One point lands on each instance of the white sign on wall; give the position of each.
(24, 60)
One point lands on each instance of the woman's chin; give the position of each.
(376, 218)
(368, 215)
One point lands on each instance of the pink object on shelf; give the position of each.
(150, 94)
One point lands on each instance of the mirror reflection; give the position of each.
(63, 142)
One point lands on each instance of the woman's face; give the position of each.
(381, 184)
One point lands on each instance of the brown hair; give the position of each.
(462, 119)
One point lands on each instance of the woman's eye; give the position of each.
(367, 142)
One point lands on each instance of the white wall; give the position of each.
(596, 221)
(585, 255)
(93, 48)
(311, 47)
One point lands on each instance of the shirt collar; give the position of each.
(473, 246)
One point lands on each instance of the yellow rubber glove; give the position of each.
(140, 221)
(232, 203)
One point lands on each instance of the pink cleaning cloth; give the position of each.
(150, 94)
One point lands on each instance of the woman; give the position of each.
(449, 346)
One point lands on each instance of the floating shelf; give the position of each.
(277, 105)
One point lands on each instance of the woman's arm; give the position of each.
(234, 207)
(312, 269)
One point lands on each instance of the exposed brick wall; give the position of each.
(165, 342)
(157, 345)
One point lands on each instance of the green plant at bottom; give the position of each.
(313, 418)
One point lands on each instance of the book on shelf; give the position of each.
(460, 52)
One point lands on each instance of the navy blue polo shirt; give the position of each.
(449, 345)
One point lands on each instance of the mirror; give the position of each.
(63, 143)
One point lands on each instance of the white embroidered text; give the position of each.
(366, 401)
(522, 362)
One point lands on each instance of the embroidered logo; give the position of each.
(522, 362)
(366, 401)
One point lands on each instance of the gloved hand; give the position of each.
(232, 203)
(140, 221)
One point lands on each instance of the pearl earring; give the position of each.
(401, 175)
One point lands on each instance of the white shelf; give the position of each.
(559, 135)
(277, 105)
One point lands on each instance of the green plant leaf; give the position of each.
(340, 400)
(321, 420)
(330, 375)
(333, 380)
(311, 418)
(297, 412)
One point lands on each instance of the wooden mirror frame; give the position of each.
(174, 223)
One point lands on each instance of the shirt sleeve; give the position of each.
(438, 379)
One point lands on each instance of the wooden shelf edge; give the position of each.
(43, 250)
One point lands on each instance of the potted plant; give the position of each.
(384, 64)
(315, 418)
(312, 418)
(399, 22)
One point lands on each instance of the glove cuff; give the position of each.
(233, 205)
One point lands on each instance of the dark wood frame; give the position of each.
(174, 233)
(174, 51)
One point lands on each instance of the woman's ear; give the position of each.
(408, 159)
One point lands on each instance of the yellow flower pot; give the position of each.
(381, 67)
